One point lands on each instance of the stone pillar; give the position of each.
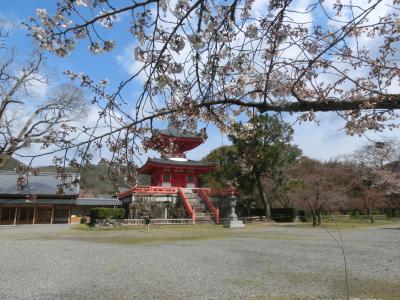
(130, 213)
(165, 212)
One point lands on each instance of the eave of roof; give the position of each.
(174, 132)
(190, 164)
(98, 202)
(77, 202)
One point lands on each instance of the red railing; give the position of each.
(187, 205)
(163, 190)
(148, 190)
(203, 193)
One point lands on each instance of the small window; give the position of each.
(190, 179)
(166, 178)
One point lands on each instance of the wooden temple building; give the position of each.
(44, 198)
(174, 190)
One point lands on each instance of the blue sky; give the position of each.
(324, 141)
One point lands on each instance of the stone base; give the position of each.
(233, 224)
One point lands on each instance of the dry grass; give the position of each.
(132, 235)
(350, 224)
(170, 233)
(362, 288)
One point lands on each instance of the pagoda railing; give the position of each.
(187, 205)
(157, 221)
(163, 190)
(203, 193)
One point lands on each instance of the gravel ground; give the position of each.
(48, 262)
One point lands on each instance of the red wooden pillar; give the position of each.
(217, 215)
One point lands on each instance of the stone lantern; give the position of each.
(232, 220)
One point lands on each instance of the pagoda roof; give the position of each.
(179, 133)
(153, 163)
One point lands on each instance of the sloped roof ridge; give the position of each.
(36, 173)
(189, 161)
(176, 132)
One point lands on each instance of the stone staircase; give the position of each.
(203, 216)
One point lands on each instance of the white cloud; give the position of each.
(127, 60)
(328, 140)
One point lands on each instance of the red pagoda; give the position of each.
(174, 194)
(173, 169)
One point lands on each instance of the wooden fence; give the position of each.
(157, 221)
(348, 217)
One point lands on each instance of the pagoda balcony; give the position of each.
(162, 190)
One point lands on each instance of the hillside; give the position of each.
(11, 164)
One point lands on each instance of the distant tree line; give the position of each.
(270, 172)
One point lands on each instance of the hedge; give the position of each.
(284, 214)
(107, 213)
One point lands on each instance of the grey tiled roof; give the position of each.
(47, 184)
(38, 202)
(175, 132)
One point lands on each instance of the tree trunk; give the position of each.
(319, 217)
(247, 211)
(371, 215)
(264, 198)
(4, 158)
(314, 218)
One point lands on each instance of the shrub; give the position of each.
(83, 220)
(107, 213)
(283, 214)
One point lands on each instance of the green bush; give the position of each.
(83, 220)
(107, 213)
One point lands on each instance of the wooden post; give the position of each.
(52, 214)
(34, 214)
(69, 215)
(15, 215)
(1, 213)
